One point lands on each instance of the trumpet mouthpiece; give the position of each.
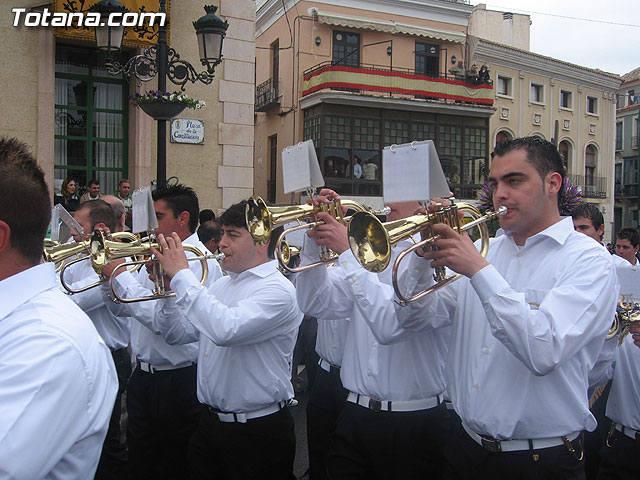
(502, 210)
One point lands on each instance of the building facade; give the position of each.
(627, 160)
(59, 99)
(555, 100)
(355, 76)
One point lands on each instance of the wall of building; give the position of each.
(221, 170)
(501, 27)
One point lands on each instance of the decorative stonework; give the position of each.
(504, 113)
(537, 119)
(566, 124)
(592, 129)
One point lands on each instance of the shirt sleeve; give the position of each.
(264, 315)
(45, 404)
(546, 328)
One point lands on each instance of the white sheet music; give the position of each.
(412, 172)
(143, 213)
(629, 278)
(300, 168)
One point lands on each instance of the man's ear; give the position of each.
(554, 182)
(5, 236)
(184, 218)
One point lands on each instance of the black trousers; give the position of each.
(262, 448)
(163, 413)
(594, 441)
(621, 461)
(387, 445)
(113, 459)
(326, 402)
(468, 460)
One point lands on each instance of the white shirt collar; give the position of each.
(559, 232)
(19, 288)
(263, 270)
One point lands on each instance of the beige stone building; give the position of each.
(47, 79)
(357, 75)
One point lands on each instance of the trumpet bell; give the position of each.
(369, 241)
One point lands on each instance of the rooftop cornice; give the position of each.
(507, 56)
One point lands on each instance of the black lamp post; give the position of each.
(161, 61)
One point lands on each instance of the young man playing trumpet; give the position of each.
(161, 398)
(528, 323)
(246, 324)
(394, 421)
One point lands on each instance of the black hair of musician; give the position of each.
(180, 198)
(210, 230)
(542, 154)
(631, 234)
(26, 204)
(590, 211)
(100, 212)
(206, 215)
(235, 216)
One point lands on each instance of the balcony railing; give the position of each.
(592, 187)
(393, 81)
(267, 95)
(634, 142)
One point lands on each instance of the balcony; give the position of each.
(267, 95)
(394, 82)
(634, 142)
(592, 187)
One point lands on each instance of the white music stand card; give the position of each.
(629, 278)
(412, 172)
(69, 226)
(143, 213)
(300, 168)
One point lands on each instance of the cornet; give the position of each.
(371, 240)
(626, 314)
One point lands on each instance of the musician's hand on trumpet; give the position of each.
(107, 270)
(172, 258)
(326, 197)
(634, 329)
(331, 233)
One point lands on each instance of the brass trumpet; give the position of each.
(371, 240)
(626, 314)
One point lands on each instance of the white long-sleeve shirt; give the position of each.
(380, 360)
(147, 345)
(58, 382)
(527, 329)
(624, 397)
(113, 330)
(247, 325)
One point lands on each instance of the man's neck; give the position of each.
(12, 263)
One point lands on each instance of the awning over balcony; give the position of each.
(402, 83)
(387, 26)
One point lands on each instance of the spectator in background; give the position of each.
(627, 244)
(206, 215)
(483, 76)
(67, 196)
(210, 234)
(124, 194)
(93, 193)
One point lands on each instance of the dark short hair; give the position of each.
(206, 215)
(26, 206)
(542, 154)
(630, 234)
(94, 182)
(590, 211)
(209, 230)
(235, 216)
(180, 198)
(100, 212)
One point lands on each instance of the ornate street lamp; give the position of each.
(161, 61)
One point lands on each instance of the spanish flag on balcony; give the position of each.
(140, 36)
(401, 83)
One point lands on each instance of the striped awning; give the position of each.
(387, 26)
(402, 83)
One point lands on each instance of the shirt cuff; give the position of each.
(182, 281)
(487, 282)
(349, 263)
(126, 279)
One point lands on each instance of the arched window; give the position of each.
(566, 153)
(590, 161)
(503, 135)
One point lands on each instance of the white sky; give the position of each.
(582, 39)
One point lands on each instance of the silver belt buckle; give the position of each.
(375, 405)
(491, 445)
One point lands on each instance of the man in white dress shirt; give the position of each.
(161, 398)
(394, 421)
(92, 215)
(628, 244)
(58, 380)
(528, 324)
(246, 324)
